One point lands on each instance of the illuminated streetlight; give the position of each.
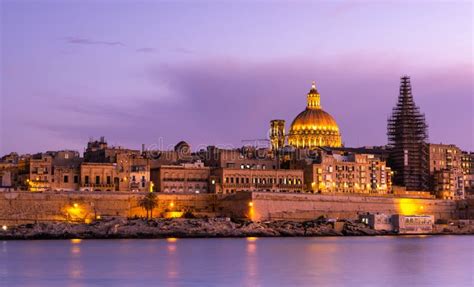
(4, 228)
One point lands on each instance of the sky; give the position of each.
(216, 72)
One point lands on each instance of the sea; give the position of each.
(317, 261)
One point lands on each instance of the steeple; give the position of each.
(314, 100)
(407, 134)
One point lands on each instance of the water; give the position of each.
(361, 261)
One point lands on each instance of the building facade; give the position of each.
(183, 178)
(348, 173)
(40, 172)
(232, 180)
(99, 177)
(446, 176)
(467, 166)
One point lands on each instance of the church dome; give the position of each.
(314, 127)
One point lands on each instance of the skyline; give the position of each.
(169, 72)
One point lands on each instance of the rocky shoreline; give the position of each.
(119, 228)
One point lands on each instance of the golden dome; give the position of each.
(314, 127)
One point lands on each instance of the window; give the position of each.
(109, 181)
(76, 179)
(66, 179)
(97, 179)
(86, 179)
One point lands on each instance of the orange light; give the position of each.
(76, 241)
(250, 204)
(171, 204)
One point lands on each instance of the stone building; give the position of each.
(245, 157)
(40, 172)
(181, 153)
(182, 178)
(99, 177)
(65, 170)
(5, 178)
(133, 171)
(66, 178)
(234, 179)
(100, 151)
(467, 166)
(414, 224)
(340, 172)
(446, 175)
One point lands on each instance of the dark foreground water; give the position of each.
(361, 261)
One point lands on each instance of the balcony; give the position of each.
(95, 185)
(263, 185)
(290, 186)
(236, 185)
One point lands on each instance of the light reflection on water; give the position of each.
(360, 261)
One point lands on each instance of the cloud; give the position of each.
(183, 51)
(146, 50)
(222, 101)
(85, 41)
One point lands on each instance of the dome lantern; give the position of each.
(314, 99)
(314, 127)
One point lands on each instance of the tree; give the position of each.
(149, 202)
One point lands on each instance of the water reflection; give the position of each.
(172, 259)
(75, 264)
(251, 263)
(361, 261)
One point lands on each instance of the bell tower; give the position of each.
(277, 134)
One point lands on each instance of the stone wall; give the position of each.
(24, 207)
(308, 206)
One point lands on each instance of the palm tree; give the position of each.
(148, 202)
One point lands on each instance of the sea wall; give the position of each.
(272, 206)
(26, 207)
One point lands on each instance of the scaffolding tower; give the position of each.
(407, 133)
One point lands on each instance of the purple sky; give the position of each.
(217, 73)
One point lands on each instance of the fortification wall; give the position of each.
(25, 207)
(309, 206)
